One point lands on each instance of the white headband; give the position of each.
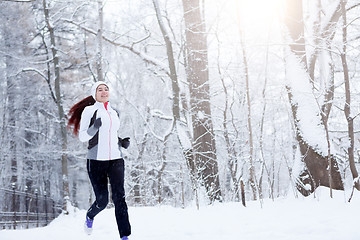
(95, 86)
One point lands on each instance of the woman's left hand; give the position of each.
(124, 142)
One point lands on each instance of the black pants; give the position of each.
(99, 173)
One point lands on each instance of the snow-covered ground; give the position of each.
(283, 219)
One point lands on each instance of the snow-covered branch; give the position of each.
(145, 57)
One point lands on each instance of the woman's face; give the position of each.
(102, 93)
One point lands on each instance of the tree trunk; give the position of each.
(99, 36)
(252, 180)
(204, 150)
(252, 177)
(12, 112)
(175, 89)
(139, 169)
(317, 166)
(11, 93)
(231, 152)
(171, 62)
(323, 36)
(347, 109)
(64, 162)
(29, 138)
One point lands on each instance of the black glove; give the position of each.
(95, 127)
(124, 142)
(97, 123)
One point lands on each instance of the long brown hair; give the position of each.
(76, 111)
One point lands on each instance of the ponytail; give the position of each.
(76, 111)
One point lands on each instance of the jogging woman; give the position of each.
(96, 122)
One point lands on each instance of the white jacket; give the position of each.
(106, 138)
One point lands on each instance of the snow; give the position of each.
(201, 115)
(311, 218)
(308, 110)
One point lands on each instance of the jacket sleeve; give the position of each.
(85, 132)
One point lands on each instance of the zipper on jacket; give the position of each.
(109, 130)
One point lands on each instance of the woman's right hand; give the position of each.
(97, 123)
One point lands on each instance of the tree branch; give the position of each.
(143, 56)
(19, 1)
(43, 76)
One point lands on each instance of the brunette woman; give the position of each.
(96, 122)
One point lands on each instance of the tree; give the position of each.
(252, 177)
(321, 168)
(12, 95)
(17, 128)
(99, 36)
(174, 84)
(203, 149)
(59, 101)
(347, 107)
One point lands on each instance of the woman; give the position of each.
(96, 122)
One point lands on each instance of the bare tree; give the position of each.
(99, 36)
(252, 177)
(204, 149)
(12, 94)
(174, 85)
(16, 134)
(59, 102)
(347, 107)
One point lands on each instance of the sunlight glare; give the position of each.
(259, 14)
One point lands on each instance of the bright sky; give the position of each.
(256, 18)
(259, 15)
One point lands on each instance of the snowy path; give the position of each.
(286, 219)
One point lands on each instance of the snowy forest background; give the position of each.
(212, 94)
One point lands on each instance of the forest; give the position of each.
(223, 101)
